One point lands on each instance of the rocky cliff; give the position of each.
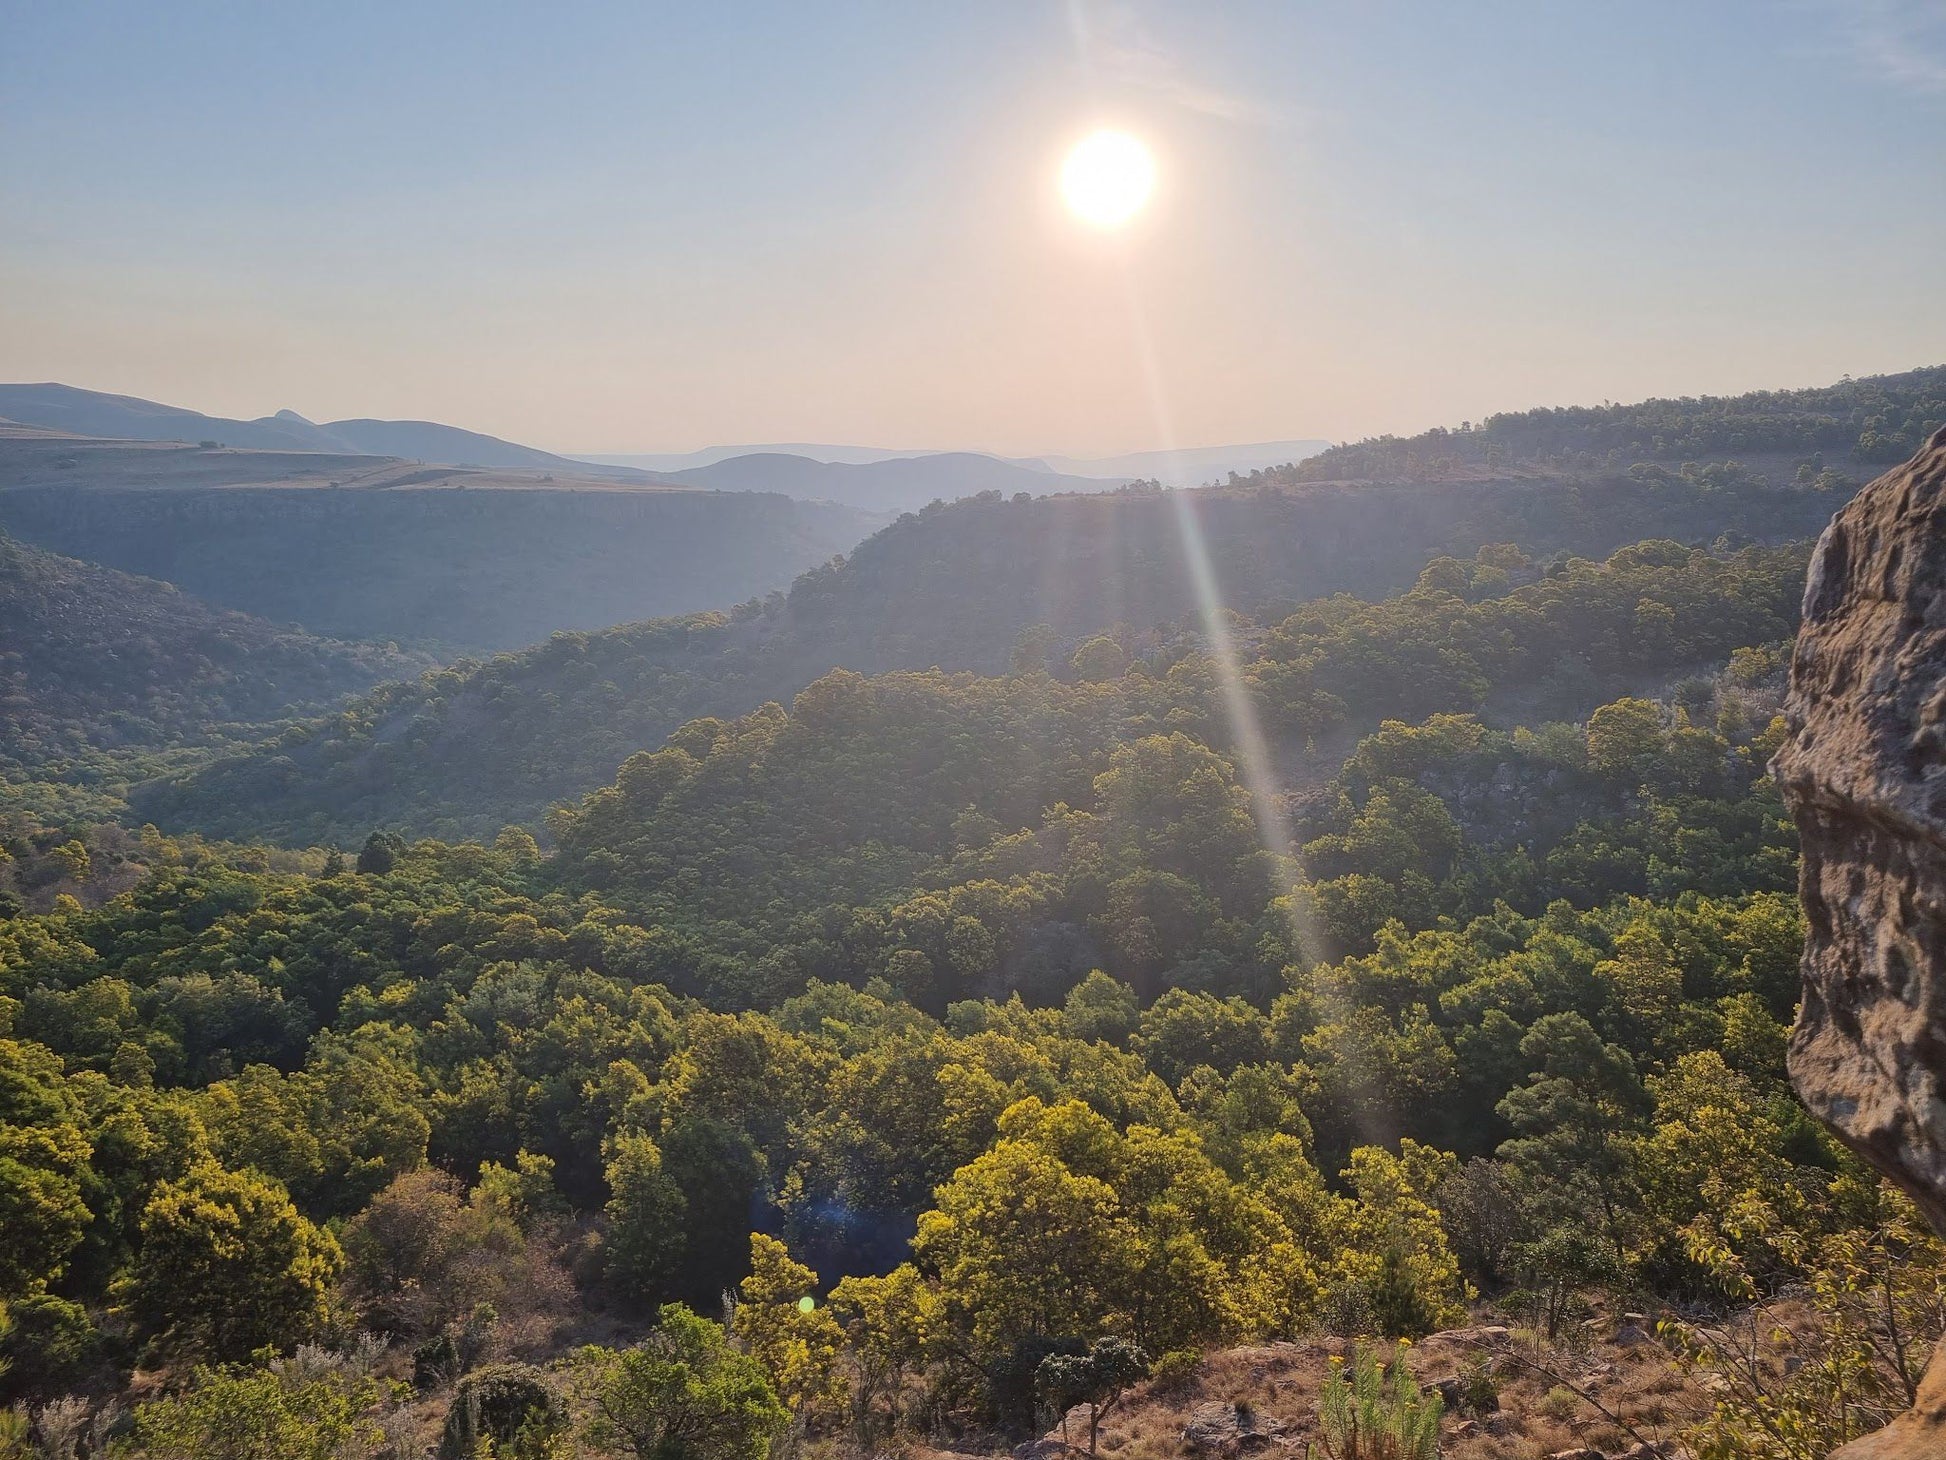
(1865, 773)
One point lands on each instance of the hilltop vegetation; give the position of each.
(1854, 428)
(964, 587)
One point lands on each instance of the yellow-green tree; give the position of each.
(44, 1158)
(889, 1323)
(227, 1265)
(780, 1323)
(1024, 1248)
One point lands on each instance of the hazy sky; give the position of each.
(640, 226)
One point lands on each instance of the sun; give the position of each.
(1107, 178)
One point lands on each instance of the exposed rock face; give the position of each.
(1228, 1430)
(1864, 771)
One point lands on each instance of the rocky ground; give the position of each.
(1607, 1390)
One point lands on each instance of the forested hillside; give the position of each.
(102, 674)
(478, 746)
(1853, 429)
(923, 959)
(953, 1022)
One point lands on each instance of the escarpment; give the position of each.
(1864, 771)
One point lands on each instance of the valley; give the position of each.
(446, 558)
(807, 949)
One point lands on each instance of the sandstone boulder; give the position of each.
(1864, 771)
(1221, 1428)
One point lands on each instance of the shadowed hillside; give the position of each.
(96, 663)
(382, 548)
(474, 747)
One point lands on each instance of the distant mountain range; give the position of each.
(898, 484)
(1196, 466)
(666, 461)
(871, 479)
(93, 413)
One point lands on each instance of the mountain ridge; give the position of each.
(904, 483)
(454, 558)
(125, 417)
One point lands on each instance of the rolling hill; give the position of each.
(900, 484)
(1855, 427)
(126, 417)
(1191, 467)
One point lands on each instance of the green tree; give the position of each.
(683, 1394)
(719, 1174)
(1098, 1378)
(1571, 1119)
(380, 854)
(1100, 1007)
(645, 1240)
(227, 1265)
(1099, 659)
(1182, 1030)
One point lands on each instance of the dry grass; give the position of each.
(1637, 1382)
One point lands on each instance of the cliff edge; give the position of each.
(1864, 772)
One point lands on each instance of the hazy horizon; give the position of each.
(609, 231)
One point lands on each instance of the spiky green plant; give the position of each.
(1374, 1412)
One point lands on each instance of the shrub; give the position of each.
(510, 1405)
(1175, 1371)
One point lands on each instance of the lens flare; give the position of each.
(1250, 748)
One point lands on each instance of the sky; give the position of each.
(653, 227)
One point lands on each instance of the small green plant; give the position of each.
(1175, 1371)
(1559, 1403)
(1479, 1389)
(1370, 1412)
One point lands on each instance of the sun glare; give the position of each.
(1107, 178)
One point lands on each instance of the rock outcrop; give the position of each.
(1864, 771)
